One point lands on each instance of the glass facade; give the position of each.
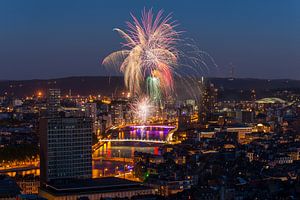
(68, 148)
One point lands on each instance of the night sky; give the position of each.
(59, 38)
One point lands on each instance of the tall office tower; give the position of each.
(253, 95)
(210, 97)
(65, 148)
(91, 111)
(117, 112)
(208, 102)
(53, 102)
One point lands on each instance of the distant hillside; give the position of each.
(241, 88)
(77, 85)
(109, 85)
(257, 84)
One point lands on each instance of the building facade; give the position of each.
(65, 148)
(53, 102)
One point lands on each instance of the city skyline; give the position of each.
(161, 100)
(258, 38)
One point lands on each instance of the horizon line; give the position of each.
(107, 76)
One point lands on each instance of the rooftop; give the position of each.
(99, 185)
(270, 100)
(8, 187)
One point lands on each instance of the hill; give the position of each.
(113, 85)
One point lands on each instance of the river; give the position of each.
(113, 157)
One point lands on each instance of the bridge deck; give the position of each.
(132, 140)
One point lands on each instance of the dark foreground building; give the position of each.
(8, 188)
(93, 189)
(65, 148)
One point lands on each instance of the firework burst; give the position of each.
(142, 109)
(149, 46)
(156, 62)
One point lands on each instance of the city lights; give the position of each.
(180, 109)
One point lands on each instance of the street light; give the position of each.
(105, 170)
(116, 169)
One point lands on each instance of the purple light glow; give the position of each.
(152, 126)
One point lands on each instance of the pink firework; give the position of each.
(149, 45)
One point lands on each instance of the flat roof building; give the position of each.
(65, 148)
(53, 102)
(93, 189)
(8, 188)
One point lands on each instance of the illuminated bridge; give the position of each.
(152, 127)
(133, 140)
(158, 134)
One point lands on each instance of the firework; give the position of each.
(149, 46)
(142, 109)
(153, 88)
(156, 62)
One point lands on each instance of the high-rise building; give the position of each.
(53, 102)
(65, 148)
(117, 112)
(210, 97)
(253, 95)
(208, 102)
(91, 111)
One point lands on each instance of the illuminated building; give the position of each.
(29, 185)
(184, 121)
(53, 102)
(191, 102)
(295, 154)
(241, 132)
(17, 102)
(272, 100)
(65, 148)
(244, 116)
(208, 103)
(170, 187)
(262, 127)
(91, 111)
(282, 158)
(118, 111)
(206, 134)
(253, 95)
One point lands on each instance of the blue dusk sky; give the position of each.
(59, 38)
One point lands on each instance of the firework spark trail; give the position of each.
(153, 85)
(142, 109)
(150, 45)
(153, 58)
(193, 63)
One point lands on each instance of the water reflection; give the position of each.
(141, 133)
(35, 172)
(119, 150)
(113, 158)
